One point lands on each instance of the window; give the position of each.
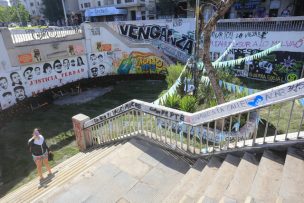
(86, 5)
(81, 5)
(33, 11)
(38, 3)
(32, 4)
(99, 4)
(129, 1)
(118, 1)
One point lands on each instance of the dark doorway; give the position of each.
(181, 10)
(133, 15)
(299, 8)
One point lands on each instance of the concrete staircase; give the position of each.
(141, 171)
(267, 177)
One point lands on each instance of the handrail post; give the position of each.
(256, 128)
(82, 135)
(141, 122)
(188, 138)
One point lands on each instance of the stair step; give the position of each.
(24, 188)
(63, 172)
(241, 183)
(292, 184)
(186, 182)
(202, 181)
(136, 172)
(67, 175)
(222, 179)
(266, 184)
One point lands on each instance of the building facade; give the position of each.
(73, 12)
(115, 10)
(265, 8)
(4, 3)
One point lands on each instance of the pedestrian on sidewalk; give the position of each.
(40, 152)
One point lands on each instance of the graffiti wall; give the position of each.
(26, 81)
(284, 65)
(175, 38)
(100, 64)
(280, 66)
(122, 63)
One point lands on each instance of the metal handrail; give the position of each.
(19, 36)
(262, 24)
(205, 132)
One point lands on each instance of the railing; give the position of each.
(268, 117)
(262, 24)
(19, 36)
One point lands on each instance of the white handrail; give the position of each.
(285, 92)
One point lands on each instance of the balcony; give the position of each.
(292, 23)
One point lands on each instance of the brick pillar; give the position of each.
(80, 133)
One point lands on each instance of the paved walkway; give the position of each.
(83, 97)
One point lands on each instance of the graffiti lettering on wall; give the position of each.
(170, 50)
(146, 107)
(17, 85)
(139, 62)
(276, 67)
(156, 32)
(95, 31)
(167, 114)
(239, 35)
(294, 41)
(121, 109)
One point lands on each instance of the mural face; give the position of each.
(18, 85)
(3, 83)
(66, 64)
(101, 64)
(15, 78)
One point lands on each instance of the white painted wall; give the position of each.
(5, 62)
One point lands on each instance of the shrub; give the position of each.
(188, 104)
(172, 101)
(173, 73)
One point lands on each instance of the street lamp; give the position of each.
(64, 12)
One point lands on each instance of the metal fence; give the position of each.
(262, 24)
(19, 36)
(280, 120)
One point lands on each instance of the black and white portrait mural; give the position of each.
(26, 81)
(100, 64)
(12, 86)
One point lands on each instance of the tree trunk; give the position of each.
(207, 29)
